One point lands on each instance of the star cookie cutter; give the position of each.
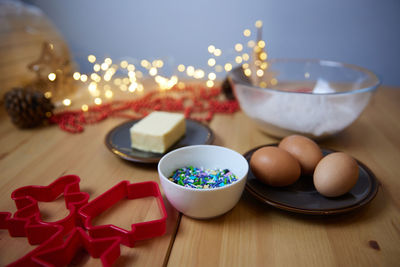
(139, 231)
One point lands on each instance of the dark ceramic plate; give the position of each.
(302, 197)
(118, 141)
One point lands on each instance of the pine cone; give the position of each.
(27, 108)
(227, 89)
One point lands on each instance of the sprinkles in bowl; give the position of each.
(201, 178)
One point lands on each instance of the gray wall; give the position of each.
(362, 32)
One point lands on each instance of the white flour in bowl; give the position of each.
(311, 114)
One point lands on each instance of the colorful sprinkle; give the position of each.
(201, 178)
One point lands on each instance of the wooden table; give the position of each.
(252, 234)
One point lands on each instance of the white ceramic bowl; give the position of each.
(203, 203)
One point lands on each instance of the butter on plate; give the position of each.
(158, 131)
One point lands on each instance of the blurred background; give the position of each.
(361, 32)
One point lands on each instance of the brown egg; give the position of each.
(305, 150)
(335, 174)
(274, 166)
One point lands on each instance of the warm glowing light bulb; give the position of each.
(76, 76)
(181, 85)
(181, 67)
(245, 56)
(251, 43)
(247, 72)
(47, 94)
(93, 76)
(211, 62)
(96, 67)
(247, 32)
(153, 71)
(91, 58)
(108, 61)
(130, 67)
(109, 94)
(257, 49)
(238, 59)
(264, 65)
(211, 49)
(190, 70)
(132, 87)
(263, 84)
(307, 75)
(263, 56)
(210, 84)
(123, 64)
(274, 81)
(159, 79)
(52, 76)
(159, 63)
(238, 47)
(260, 73)
(217, 52)
(84, 77)
(245, 66)
(131, 74)
(85, 107)
(104, 66)
(228, 67)
(212, 76)
(98, 101)
(145, 64)
(261, 43)
(66, 102)
(198, 74)
(258, 24)
(92, 87)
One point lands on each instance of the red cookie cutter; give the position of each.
(26, 221)
(107, 249)
(26, 199)
(139, 231)
(47, 236)
(105, 239)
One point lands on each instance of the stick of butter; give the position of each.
(158, 131)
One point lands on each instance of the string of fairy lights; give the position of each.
(108, 75)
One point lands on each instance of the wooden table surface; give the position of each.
(252, 234)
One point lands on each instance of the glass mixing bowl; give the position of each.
(315, 98)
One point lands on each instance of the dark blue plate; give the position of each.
(302, 197)
(118, 141)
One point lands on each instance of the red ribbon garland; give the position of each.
(196, 103)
